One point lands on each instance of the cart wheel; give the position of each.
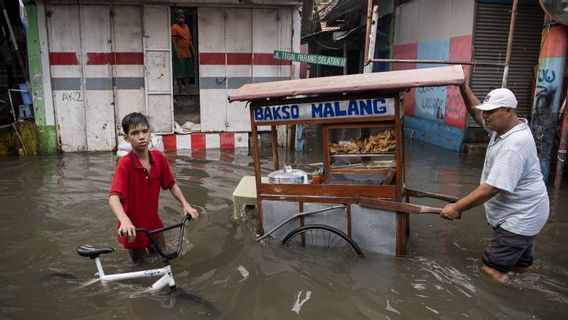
(322, 236)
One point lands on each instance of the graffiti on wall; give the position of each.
(437, 104)
(545, 108)
(455, 108)
(456, 114)
(71, 96)
(430, 103)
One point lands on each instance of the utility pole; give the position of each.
(307, 12)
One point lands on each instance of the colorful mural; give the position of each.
(437, 114)
(441, 104)
(456, 113)
(548, 92)
(430, 103)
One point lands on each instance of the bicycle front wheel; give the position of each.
(321, 236)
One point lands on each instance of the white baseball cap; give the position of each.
(498, 98)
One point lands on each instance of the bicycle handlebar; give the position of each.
(173, 255)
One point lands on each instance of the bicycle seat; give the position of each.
(92, 252)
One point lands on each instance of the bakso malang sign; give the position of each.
(339, 109)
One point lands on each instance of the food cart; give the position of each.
(359, 188)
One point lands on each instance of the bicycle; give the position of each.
(165, 273)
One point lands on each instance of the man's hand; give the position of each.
(189, 210)
(450, 212)
(128, 230)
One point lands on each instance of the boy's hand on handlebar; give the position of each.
(127, 230)
(190, 211)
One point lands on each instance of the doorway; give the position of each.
(186, 77)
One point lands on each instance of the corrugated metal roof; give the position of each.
(355, 83)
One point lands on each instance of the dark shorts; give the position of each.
(183, 68)
(507, 250)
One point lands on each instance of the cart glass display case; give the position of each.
(359, 153)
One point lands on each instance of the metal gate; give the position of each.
(127, 62)
(157, 68)
(236, 47)
(100, 66)
(490, 44)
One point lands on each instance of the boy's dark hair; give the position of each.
(133, 119)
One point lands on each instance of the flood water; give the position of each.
(52, 204)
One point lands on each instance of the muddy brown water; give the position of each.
(51, 204)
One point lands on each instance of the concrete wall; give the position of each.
(39, 75)
(434, 30)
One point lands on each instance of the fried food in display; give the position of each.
(381, 142)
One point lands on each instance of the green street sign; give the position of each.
(310, 58)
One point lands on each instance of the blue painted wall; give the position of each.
(434, 132)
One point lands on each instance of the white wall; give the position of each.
(424, 20)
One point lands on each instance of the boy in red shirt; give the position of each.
(135, 188)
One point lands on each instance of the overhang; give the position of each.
(356, 83)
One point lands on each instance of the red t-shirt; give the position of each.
(139, 191)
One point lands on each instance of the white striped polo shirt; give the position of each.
(512, 165)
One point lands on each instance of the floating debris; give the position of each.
(244, 272)
(298, 304)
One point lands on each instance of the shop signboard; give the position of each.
(354, 108)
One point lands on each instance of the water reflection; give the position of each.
(52, 204)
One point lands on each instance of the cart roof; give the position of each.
(356, 83)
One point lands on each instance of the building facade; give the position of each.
(95, 63)
(464, 30)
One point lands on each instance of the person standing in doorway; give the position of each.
(511, 187)
(183, 52)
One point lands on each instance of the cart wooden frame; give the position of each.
(387, 87)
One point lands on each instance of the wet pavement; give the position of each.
(52, 204)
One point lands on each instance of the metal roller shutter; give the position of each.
(490, 44)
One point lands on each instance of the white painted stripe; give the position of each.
(65, 71)
(239, 71)
(212, 141)
(128, 71)
(241, 140)
(272, 71)
(96, 71)
(212, 71)
(183, 141)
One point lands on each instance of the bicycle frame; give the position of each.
(165, 273)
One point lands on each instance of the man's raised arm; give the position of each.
(471, 101)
